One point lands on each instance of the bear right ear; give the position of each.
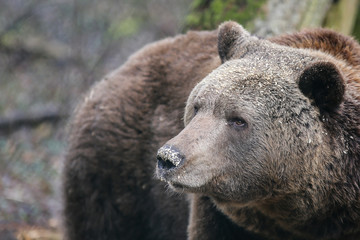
(231, 38)
(323, 83)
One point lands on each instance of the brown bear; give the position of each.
(272, 139)
(110, 190)
(270, 147)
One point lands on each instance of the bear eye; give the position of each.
(237, 123)
(196, 109)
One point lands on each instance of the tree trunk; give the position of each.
(273, 17)
(342, 16)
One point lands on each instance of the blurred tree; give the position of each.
(271, 17)
(342, 16)
(208, 14)
(356, 30)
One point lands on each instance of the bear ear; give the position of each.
(323, 83)
(231, 37)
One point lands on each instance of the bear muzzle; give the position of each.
(168, 159)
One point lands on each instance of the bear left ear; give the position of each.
(231, 39)
(324, 84)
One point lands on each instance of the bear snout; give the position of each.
(168, 158)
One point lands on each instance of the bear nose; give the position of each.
(169, 157)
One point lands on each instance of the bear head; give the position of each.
(254, 131)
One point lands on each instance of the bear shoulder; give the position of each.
(114, 134)
(338, 45)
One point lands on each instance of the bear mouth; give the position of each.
(179, 187)
(183, 187)
(181, 179)
(175, 182)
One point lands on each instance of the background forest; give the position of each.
(51, 52)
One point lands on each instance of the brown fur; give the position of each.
(272, 141)
(109, 188)
(327, 41)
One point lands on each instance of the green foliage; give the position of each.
(207, 14)
(356, 29)
(124, 28)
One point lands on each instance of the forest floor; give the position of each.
(31, 159)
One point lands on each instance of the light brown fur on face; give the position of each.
(271, 160)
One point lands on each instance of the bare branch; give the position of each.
(20, 119)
